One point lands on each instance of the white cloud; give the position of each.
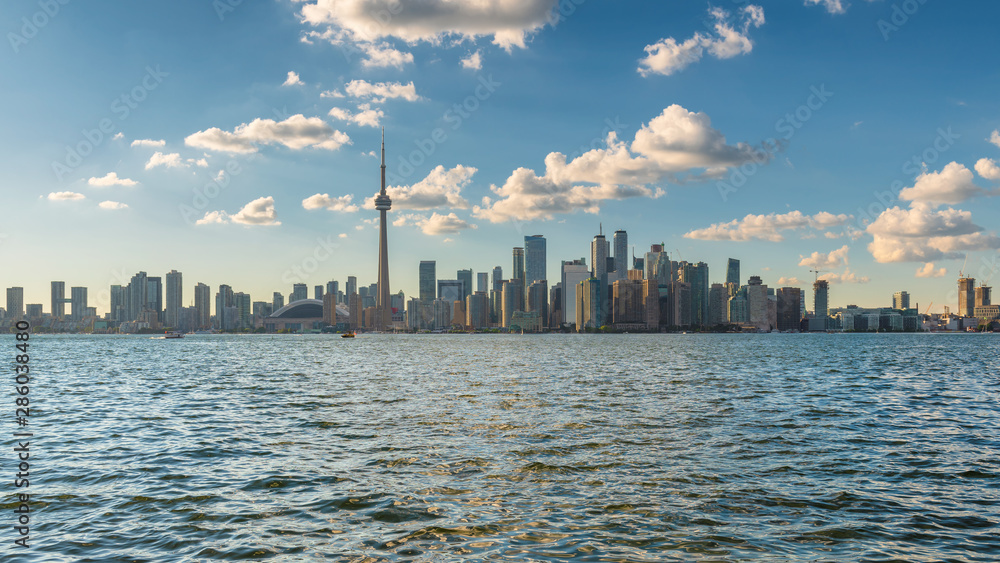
(952, 185)
(200, 163)
(171, 160)
(921, 234)
(832, 6)
(324, 201)
(988, 169)
(767, 227)
(436, 224)
(149, 143)
(366, 116)
(293, 79)
(507, 21)
(826, 261)
(65, 196)
(668, 56)
(441, 188)
(111, 179)
(674, 144)
(112, 205)
(297, 132)
(259, 212)
(382, 55)
(330, 94)
(342, 235)
(846, 277)
(380, 91)
(473, 61)
(928, 271)
(790, 281)
(118, 136)
(995, 137)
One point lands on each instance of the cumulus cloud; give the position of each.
(847, 276)
(382, 55)
(171, 160)
(149, 143)
(293, 79)
(380, 91)
(259, 212)
(952, 185)
(112, 179)
(508, 22)
(922, 234)
(441, 188)
(297, 132)
(767, 227)
(832, 6)
(929, 271)
(112, 205)
(726, 41)
(324, 201)
(473, 61)
(65, 196)
(988, 169)
(995, 137)
(790, 281)
(826, 261)
(366, 116)
(436, 224)
(676, 143)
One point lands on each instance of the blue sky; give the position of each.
(850, 136)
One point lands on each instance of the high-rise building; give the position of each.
(519, 273)
(352, 285)
(118, 303)
(466, 277)
(244, 310)
(534, 260)
(15, 303)
(154, 296)
(334, 288)
(33, 311)
(135, 296)
(477, 310)
(966, 296)
(789, 308)
(538, 300)
(451, 290)
(300, 291)
(223, 300)
(718, 302)
(589, 304)
(277, 301)
(203, 305)
(483, 282)
(599, 259)
(627, 305)
(733, 272)
(175, 299)
(984, 296)
(318, 292)
(428, 280)
(821, 295)
(58, 303)
(383, 314)
(512, 300)
(498, 278)
(901, 300)
(78, 303)
(573, 272)
(621, 253)
(658, 265)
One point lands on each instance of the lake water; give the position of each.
(512, 448)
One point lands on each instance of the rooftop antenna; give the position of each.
(601, 229)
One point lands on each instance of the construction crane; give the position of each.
(818, 272)
(928, 311)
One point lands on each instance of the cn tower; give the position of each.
(383, 305)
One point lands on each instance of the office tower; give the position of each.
(681, 293)
(621, 253)
(984, 296)
(318, 292)
(300, 291)
(154, 296)
(789, 308)
(383, 317)
(277, 301)
(589, 304)
(739, 313)
(757, 304)
(58, 302)
(33, 311)
(483, 282)
(718, 302)
(428, 280)
(203, 304)
(821, 294)
(658, 266)
(573, 272)
(397, 302)
(696, 275)
(243, 310)
(175, 299)
(15, 303)
(599, 259)
(498, 278)
(651, 302)
(901, 300)
(518, 264)
(733, 272)
(966, 296)
(261, 310)
(352, 285)
(466, 277)
(135, 296)
(534, 260)
(118, 303)
(78, 303)
(477, 310)
(451, 290)
(334, 288)
(556, 306)
(538, 301)
(223, 300)
(512, 300)
(354, 310)
(627, 306)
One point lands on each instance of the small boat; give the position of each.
(171, 335)
(348, 334)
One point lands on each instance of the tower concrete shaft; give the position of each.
(383, 303)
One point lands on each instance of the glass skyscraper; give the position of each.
(534, 259)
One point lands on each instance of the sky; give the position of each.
(237, 142)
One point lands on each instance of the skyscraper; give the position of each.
(202, 303)
(428, 280)
(518, 273)
(451, 290)
(78, 303)
(733, 272)
(534, 260)
(483, 282)
(318, 292)
(789, 308)
(901, 300)
(573, 272)
(223, 300)
(118, 303)
(15, 303)
(599, 259)
(58, 299)
(135, 296)
(383, 312)
(984, 296)
(821, 294)
(466, 277)
(621, 253)
(277, 301)
(175, 299)
(966, 296)
(300, 291)
(352, 285)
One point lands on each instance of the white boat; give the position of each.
(169, 335)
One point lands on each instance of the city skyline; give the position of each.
(720, 132)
